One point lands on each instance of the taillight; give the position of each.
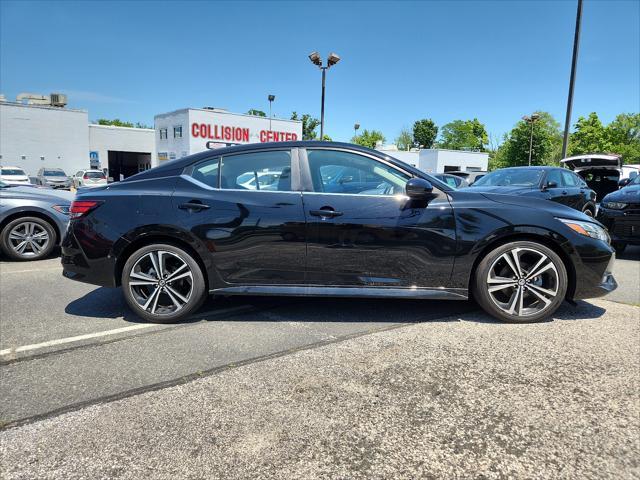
(85, 177)
(80, 208)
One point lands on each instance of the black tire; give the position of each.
(35, 247)
(589, 211)
(619, 247)
(556, 276)
(169, 294)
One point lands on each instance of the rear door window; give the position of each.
(259, 171)
(570, 180)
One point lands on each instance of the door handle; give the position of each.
(564, 192)
(325, 213)
(193, 205)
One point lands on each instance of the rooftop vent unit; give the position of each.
(58, 100)
(215, 109)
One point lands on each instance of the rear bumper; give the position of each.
(96, 267)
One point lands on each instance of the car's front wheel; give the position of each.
(163, 283)
(520, 282)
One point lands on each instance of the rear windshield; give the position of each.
(12, 171)
(510, 176)
(54, 173)
(94, 175)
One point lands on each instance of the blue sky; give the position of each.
(401, 61)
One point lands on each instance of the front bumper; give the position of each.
(594, 274)
(623, 225)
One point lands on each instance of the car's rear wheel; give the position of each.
(163, 283)
(28, 238)
(520, 282)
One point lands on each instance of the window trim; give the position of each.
(181, 131)
(166, 133)
(307, 181)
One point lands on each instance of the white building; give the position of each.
(189, 130)
(36, 136)
(437, 160)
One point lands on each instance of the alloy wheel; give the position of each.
(161, 282)
(29, 239)
(522, 282)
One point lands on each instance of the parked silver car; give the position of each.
(32, 220)
(53, 177)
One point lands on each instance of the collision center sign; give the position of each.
(230, 133)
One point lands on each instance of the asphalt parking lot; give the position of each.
(74, 360)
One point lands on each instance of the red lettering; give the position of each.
(294, 136)
(195, 131)
(245, 134)
(262, 136)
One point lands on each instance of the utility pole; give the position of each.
(572, 80)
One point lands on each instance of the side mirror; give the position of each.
(550, 184)
(623, 182)
(418, 188)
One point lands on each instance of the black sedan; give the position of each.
(173, 234)
(620, 213)
(551, 183)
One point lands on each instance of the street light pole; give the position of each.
(356, 126)
(324, 75)
(332, 59)
(572, 79)
(271, 98)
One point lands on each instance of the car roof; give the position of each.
(11, 166)
(172, 167)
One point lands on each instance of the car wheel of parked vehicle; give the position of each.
(619, 246)
(588, 210)
(520, 282)
(27, 238)
(162, 283)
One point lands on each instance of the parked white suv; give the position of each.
(89, 178)
(14, 176)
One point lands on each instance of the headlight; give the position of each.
(614, 205)
(64, 209)
(587, 229)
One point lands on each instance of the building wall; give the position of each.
(103, 138)
(172, 148)
(59, 135)
(435, 160)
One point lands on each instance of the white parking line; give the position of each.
(4, 272)
(77, 338)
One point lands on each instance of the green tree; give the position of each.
(425, 132)
(257, 113)
(547, 143)
(116, 122)
(368, 138)
(404, 140)
(309, 125)
(624, 136)
(589, 136)
(464, 134)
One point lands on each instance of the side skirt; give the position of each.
(324, 291)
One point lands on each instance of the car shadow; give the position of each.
(104, 302)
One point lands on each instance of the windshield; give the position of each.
(54, 173)
(12, 171)
(635, 181)
(510, 177)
